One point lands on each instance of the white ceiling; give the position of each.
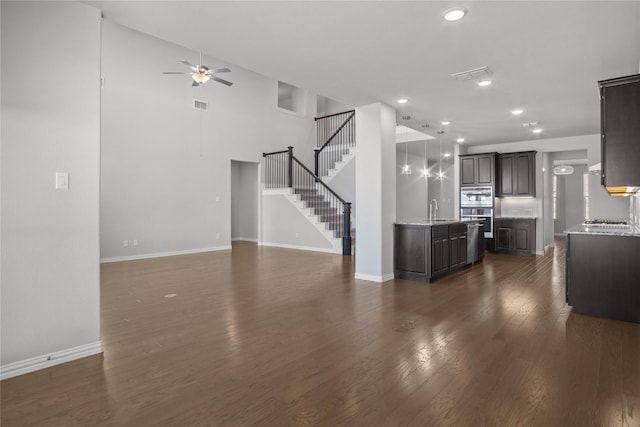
(546, 56)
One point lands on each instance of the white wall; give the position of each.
(375, 191)
(245, 186)
(327, 106)
(165, 166)
(50, 123)
(283, 224)
(570, 204)
(414, 192)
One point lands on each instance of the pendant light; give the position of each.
(441, 175)
(425, 171)
(406, 169)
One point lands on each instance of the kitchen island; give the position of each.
(428, 249)
(603, 271)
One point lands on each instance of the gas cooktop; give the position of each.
(604, 222)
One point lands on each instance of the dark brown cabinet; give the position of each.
(515, 235)
(478, 169)
(516, 173)
(620, 132)
(439, 250)
(457, 245)
(602, 275)
(424, 252)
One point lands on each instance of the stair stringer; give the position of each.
(334, 245)
(338, 166)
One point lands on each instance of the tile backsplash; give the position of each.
(517, 207)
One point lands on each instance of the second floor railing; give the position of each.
(335, 135)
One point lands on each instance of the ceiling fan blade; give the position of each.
(224, 82)
(220, 70)
(195, 83)
(189, 64)
(174, 72)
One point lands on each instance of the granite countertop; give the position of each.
(516, 217)
(437, 221)
(629, 230)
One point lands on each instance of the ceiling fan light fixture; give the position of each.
(200, 77)
(455, 14)
(517, 111)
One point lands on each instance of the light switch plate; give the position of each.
(62, 180)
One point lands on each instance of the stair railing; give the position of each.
(284, 170)
(335, 135)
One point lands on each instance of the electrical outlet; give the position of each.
(297, 235)
(135, 242)
(125, 243)
(217, 235)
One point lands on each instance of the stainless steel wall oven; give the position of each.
(477, 203)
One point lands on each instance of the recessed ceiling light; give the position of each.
(402, 101)
(460, 140)
(483, 83)
(447, 154)
(517, 112)
(538, 130)
(455, 13)
(446, 123)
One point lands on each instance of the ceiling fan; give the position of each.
(202, 74)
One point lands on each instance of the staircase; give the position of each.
(321, 207)
(325, 206)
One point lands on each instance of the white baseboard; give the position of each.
(21, 367)
(373, 278)
(302, 248)
(163, 254)
(244, 239)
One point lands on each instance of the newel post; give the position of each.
(346, 231)
(290, 171)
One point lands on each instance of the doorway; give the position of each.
(245, 206)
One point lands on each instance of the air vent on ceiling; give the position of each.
(472, 74)
(200, 105)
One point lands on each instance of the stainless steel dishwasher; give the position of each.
(473, 237)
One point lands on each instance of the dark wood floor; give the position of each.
(277, 337)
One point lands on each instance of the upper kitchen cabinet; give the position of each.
(478, 169)
(620, 133)
(517, 174)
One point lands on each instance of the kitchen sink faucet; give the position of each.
(433, 209)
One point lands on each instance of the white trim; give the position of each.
(338, 166)
(302, 248)
(374, 278)
(275, 191)
(25, 366)
(244, 239)
(163, 254)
